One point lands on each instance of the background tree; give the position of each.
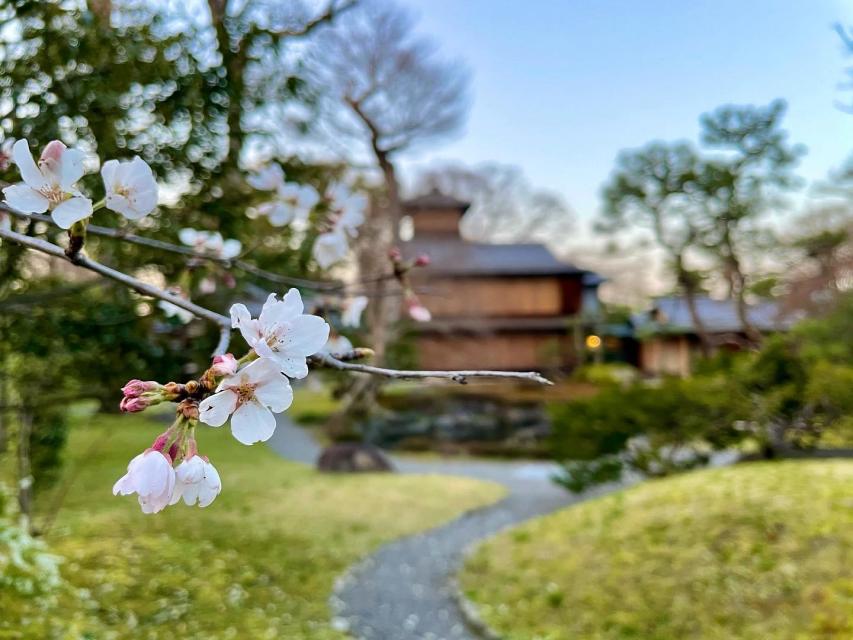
(504, 205)
(743, 181)
(387, 90)
(656, 188)
(820, 266)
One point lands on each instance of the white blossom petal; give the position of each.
(71, 211)
(214, 410)
(30, 172)
(231, 249)
(305, 336)
(292, 367)
(25, 199)
(329, 248)
(188, 236)
(70, 168)
(275, 393)
(252, 422)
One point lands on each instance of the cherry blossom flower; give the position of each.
(347, 215)
(130, 186)
(224, 365)
(174, 311)
(330, 248)
(50, 185)
(292, 202)
(250, 397)
(268, 178)
(337, 345)
(149, 475)
(210, 242)
(196, 481)
(282, 333)
(351, 315)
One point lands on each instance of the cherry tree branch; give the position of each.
(247, 267)
(84, 262)
(325, 360)
(224, 323)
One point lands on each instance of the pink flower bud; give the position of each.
(395, 255)
(135, 388)
(225, 365)
(134, 405)
(423, 260)
(53, 151)
(416, 310)
(160, 442)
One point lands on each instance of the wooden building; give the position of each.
(667, 339)
(496, 306)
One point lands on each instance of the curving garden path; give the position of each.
(406, 590)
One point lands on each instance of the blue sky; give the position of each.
(560, 86)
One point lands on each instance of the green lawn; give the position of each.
(260, 562)
(759, 551)
(312, 406)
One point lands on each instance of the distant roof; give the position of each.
(435, 199)
(672, 315)
(457, 257)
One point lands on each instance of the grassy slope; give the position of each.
(756, 551)
(258, 563)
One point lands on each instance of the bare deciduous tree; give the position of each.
(504, 205)
(388, 91)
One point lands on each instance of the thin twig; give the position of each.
(118, 234)
(461, 377)
(327, 16)
(84, 262)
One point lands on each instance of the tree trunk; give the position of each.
(737, 290)
(689, 287)
(382, 237)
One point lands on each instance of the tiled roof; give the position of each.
(435, 200)
(451, 256)
(672, 315)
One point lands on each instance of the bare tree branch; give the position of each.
(118, 234)
(84, 262)
(333, 11)
(456, 376)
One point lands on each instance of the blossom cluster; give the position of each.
(248, 391)
(51, 185)
(292, 204)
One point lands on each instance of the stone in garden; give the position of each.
(353, 457)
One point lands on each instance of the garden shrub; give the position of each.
(796, 393)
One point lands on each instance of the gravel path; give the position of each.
(406, 590)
